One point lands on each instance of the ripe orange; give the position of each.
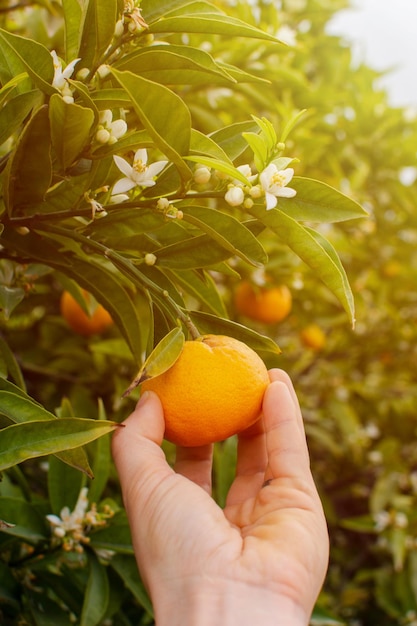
(78, 319)
(313, 337)
(213, 391)
(263, 304)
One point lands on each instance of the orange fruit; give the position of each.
(77, 318)
(213, 391)
(313, 337)
(263, 304)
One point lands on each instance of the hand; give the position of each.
(262, 559)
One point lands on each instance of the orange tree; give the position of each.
(146, 160)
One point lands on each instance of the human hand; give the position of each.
(262, 559)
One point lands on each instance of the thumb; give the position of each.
(136, 445)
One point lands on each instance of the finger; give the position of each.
(279, 375)
(252, 460)
(285, 438)
(137, 454)
(196, 465)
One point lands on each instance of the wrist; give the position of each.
(229, 604)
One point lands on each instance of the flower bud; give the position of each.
(150, 259)
(202, 175)
(234, 196)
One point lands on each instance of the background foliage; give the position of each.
(204, 86)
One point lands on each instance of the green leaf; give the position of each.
(20, 408)
(122, 224)
(127, 569)
(115, 537)
(174, 65)
(162, 357)
(201, 286)
(209, 23)
(26, 521)
(15, 111)
(13, 368)
(211, 324)
(318, 202)
(228, 232)
(29, 169)
(202, 144)
(222, 166)
(10, 297)
(20, 54)
(319, 256)
(75, 12)
(64, 484)
(29, 440)
(259, 149)
(197, 252)
(102, 462)
(292, 122)
(11, 86)
(98, 25)
(71, 127)
(96, 596)
(164, 115)
(231, 140)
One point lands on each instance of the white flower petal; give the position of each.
(141, 155)
(123, 185)
(123, 166)
(271, 201)
(118, 128)
(155, 168)
(105, 117)
(286, 192)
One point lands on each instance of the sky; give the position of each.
(383, 34)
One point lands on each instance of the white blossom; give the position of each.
(139, 174)
(109, 131)
(61, 76)
(274, 183)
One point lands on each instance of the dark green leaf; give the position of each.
(102, 462)
(231, 140)
(162, 357)
(15, 111)
(228, 232)
(29, 169)
(211, 324)
(317, 202)
(172, 65)
(64, 484)
(96, 594)
(201, 286)
(23, 517)
(209, 23)
(311, 249)
(202, 144)
(10, 297)
(71, 127)
(20, 54)
(127, 569)
(157, 107)
(12, 366)
(98, 21)
(29, 440)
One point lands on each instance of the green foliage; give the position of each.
(134, 142)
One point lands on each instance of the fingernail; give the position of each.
(143, 399)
